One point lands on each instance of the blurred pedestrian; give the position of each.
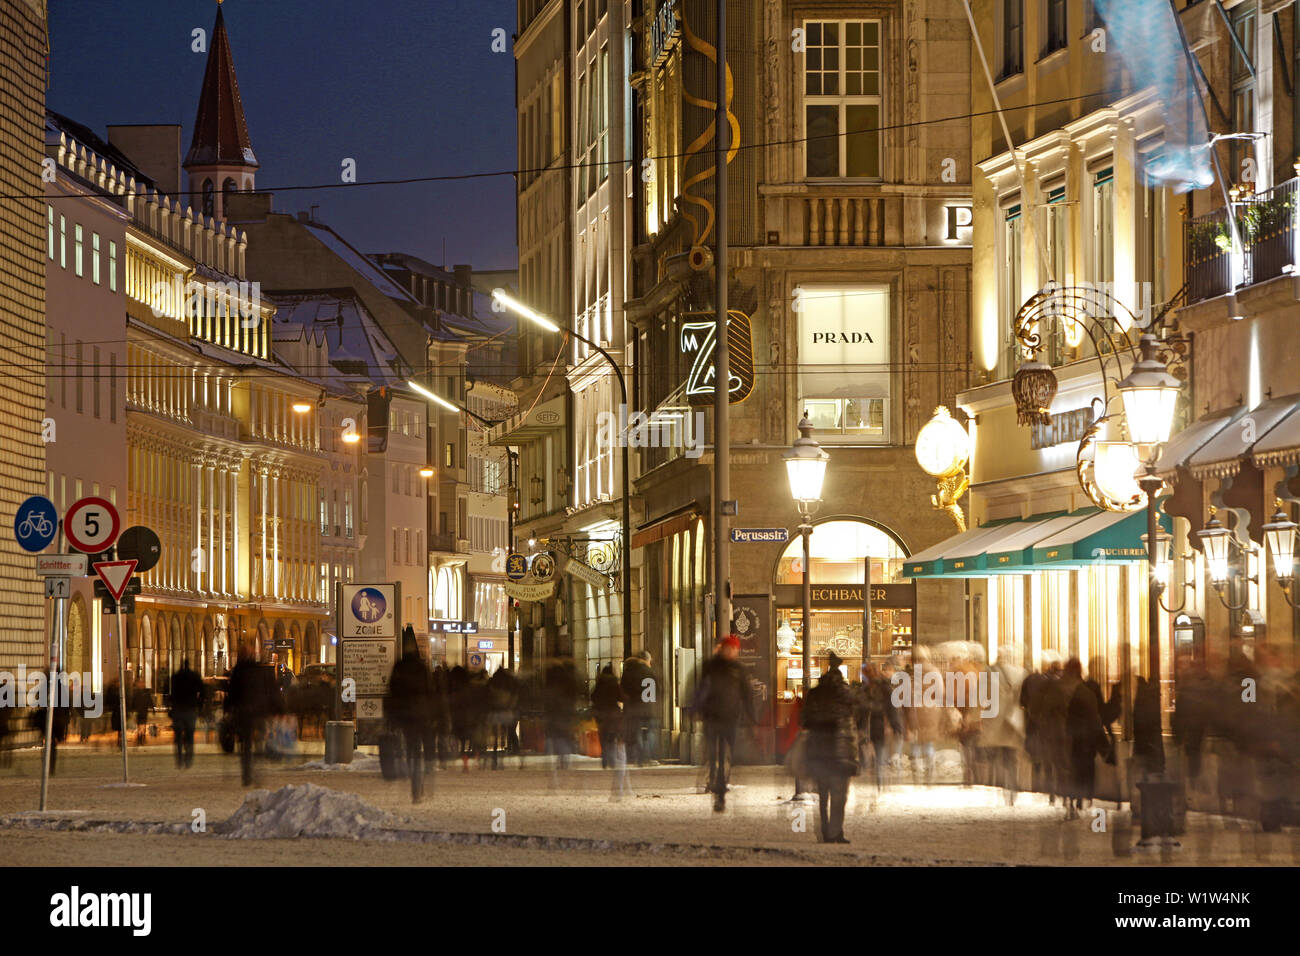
(186, 699)
(723, 700)
(250, 700)
(141, 702)
(408, 706)
(436, 743)
(1087, 737)
(1002, 732)
(832, 748)
(503, 713)
(640, 700)
(607, 707)
(925, 717)
(560, 713)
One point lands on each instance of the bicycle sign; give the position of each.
(91, 525)
(36, 523)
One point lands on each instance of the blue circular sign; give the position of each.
(516, 566)
(36, 523)
(369, 605)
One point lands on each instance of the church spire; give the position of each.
(220, 130)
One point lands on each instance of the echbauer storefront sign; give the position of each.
(902, 596)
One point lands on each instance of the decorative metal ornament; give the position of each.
(1034, 387)
(1085, 465)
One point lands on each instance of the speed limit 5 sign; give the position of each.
(91, 525)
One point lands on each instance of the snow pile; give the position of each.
(304, 810)
(361, 763)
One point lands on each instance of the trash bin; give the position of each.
(1157, 808)
(339, 736)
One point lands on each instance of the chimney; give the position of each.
(156, 152)
(248, 207)
(462, 274)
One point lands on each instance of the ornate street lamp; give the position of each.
(1216, 540)
(1279, 534)
(1150, 396)
(805, 466)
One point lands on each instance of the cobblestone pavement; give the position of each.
(526, 816)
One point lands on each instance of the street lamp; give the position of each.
(1280, 535)
(1150, 396)
(1216, 541)
(805, 466)
(520, 309)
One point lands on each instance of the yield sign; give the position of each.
(115, 575)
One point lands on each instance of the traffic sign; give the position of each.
(58, 587)
(91, 525)
(142, 544)
(116, 575)
(516, 566)
(61, 565)
(132, 587)
(36, 523)
(126, 605)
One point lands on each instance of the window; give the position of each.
(1013, 37)
(1055, 37)
(209, 198)
(324, 514)
(1103, 230)
(112, 266)
(347, 512)
(94, 258)
(49, 218)
(63, 242)
(1057, 233)
(1012, 241)
(842, 99)
(397, 539)
(1243, 90)
(77, 242)
(844, 378)
(449, 455)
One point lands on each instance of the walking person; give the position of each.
(560, 714)
(925, 717)
(640, 696)
(832, 748)
(723, 700)
(503, 714)
(409, 706)
(186, 700)
(1003, 731)
(607, 706)
(250, 699)
(141, 701)
(1087, 736)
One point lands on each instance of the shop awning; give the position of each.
(1221, 455)
(1107, 537)
(1051, 541)
(929, 561)
(666, 525)
(1281, 446)
(1192, 439)
(529, 425)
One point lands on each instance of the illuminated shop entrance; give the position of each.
(839, 548)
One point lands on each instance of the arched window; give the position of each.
(209, 198)
(227, 188)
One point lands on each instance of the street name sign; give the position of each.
(61, 565)
(759, 535)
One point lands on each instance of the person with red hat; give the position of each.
(722, 699)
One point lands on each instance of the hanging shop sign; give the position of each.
(585, 572)
(900, 596)
(522, 591)
(698, 343)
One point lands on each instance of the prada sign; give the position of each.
(900, 596)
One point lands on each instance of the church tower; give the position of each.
(220, 160)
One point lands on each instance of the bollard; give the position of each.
(339, 736)
(1157, 809)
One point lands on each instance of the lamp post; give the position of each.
(805, 466)
(1150, 395)
(1280, 534)
(626, 545)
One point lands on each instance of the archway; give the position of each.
(77, 650)
(839, 548)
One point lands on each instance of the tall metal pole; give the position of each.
(52, 670)
(121, 687)
(1151, 485)
(721, 356)
(805, 530)
(512, 496)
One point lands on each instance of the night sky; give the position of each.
(405, 87)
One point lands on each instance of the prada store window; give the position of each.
(838, 551)
(844, 378)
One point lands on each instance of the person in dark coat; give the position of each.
(723, 699)
(1046, 740)
(502, 713)
(832, 747)
(560, 713)
(607, 706)
(1193, 707)
(250, 700)
(1087, 736)
(409, 706)
(186, 699)
(640, 699)
(1148, 740)
(435, 742)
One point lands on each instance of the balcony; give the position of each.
(1267, 223)
(834, 215)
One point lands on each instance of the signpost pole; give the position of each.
(866, 609)
(121, 686)
(53, 666)
(722, 352)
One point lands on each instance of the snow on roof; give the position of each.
(351, 335)
(359, 262)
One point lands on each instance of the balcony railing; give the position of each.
(1266, 223)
